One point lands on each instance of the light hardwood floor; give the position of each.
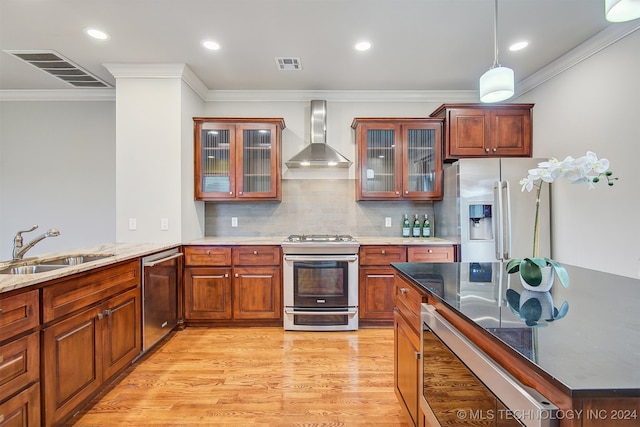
(256, 377)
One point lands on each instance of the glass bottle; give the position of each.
(426, 227)
(406, 227)
(415, 232)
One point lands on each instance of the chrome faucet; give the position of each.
(19, 251)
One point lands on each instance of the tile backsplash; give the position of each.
(320, 206)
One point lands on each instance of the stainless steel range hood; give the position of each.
(318, 154)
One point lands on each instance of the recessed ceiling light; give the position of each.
(518, 46)
(211, 45)
(96, 34)
(363, 45)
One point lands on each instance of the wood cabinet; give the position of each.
(20, 359)
(93, 333)
(238, 159)
(481, 130)
(376, 283)
(398, 158)
(407, 353)
(431, 253)
(240, 285)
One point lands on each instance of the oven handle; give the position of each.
(513, 395)
(350, 313)
(349, 258)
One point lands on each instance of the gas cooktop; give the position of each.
(319, 238)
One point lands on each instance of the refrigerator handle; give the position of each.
(498, 225)
(507, 220)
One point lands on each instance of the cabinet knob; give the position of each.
(107, 312)
(236, 274)
(100, 316)
(231, 193)
(495, 149)
(383, 251)
(486, 150)
(430, 251)
(239, 193)
(417, 355)
(226, 274)
(208, 252)
(255, 252)
(397, 192)
(403, 290)
(406, 192)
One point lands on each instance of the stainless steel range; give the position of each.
(320, 282)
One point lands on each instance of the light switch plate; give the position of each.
(133, 224)
(234, 221)
(164, 224)
(387, 222)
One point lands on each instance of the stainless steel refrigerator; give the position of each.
(485, 212)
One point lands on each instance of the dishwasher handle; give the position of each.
(160, 261)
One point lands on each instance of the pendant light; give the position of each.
(496, 84)
(621, 10)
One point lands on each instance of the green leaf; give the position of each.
(562, 273)
(530, 272)
(513, 266)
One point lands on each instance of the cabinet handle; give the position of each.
(417, 355)
(403, 290)
(107, 312)
(0, 311)
(236, 274)
(100, 316)
(1, 418)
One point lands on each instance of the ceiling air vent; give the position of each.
(288, 64)
(60, 67)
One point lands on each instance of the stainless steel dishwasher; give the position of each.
(159, 295)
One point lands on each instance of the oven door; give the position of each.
(321, 292)
(461, 385)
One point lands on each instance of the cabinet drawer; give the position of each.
(382, 255)
(18, 313)
(207, 256)
(23, 409)
(19, 364)
(256, 255)
(431, 254)
(74, 294)
(409, 302)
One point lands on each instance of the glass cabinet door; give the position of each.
(256, 178)
(216, 159)
(422, 153)
(381, 161)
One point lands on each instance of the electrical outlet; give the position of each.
(133, 224)
(387, 222)
(164, 224)
(234, 221)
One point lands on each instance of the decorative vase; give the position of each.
(546, 283)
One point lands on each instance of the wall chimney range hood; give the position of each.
(318, 154)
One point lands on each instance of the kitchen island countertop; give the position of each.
(590, 348)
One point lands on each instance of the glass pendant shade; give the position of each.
(621, 10)
(496, 84)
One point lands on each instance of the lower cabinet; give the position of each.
(23, 409)
(239, 285)
(99, 337)
(407, 367)
(407, 349)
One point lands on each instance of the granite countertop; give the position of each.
(276, 240)
(594, 347)
(119, 252)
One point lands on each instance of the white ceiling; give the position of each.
(417, 44)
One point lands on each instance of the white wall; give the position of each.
(594, 106)
(57, 170)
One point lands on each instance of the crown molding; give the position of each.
(342, 95)
(585, 50)
(59, 95)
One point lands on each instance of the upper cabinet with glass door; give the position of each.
(237, 159)
(399, 159)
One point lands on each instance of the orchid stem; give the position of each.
(536, 225)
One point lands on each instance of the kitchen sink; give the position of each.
(30, 269)
(37, 266)
(73, 260)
